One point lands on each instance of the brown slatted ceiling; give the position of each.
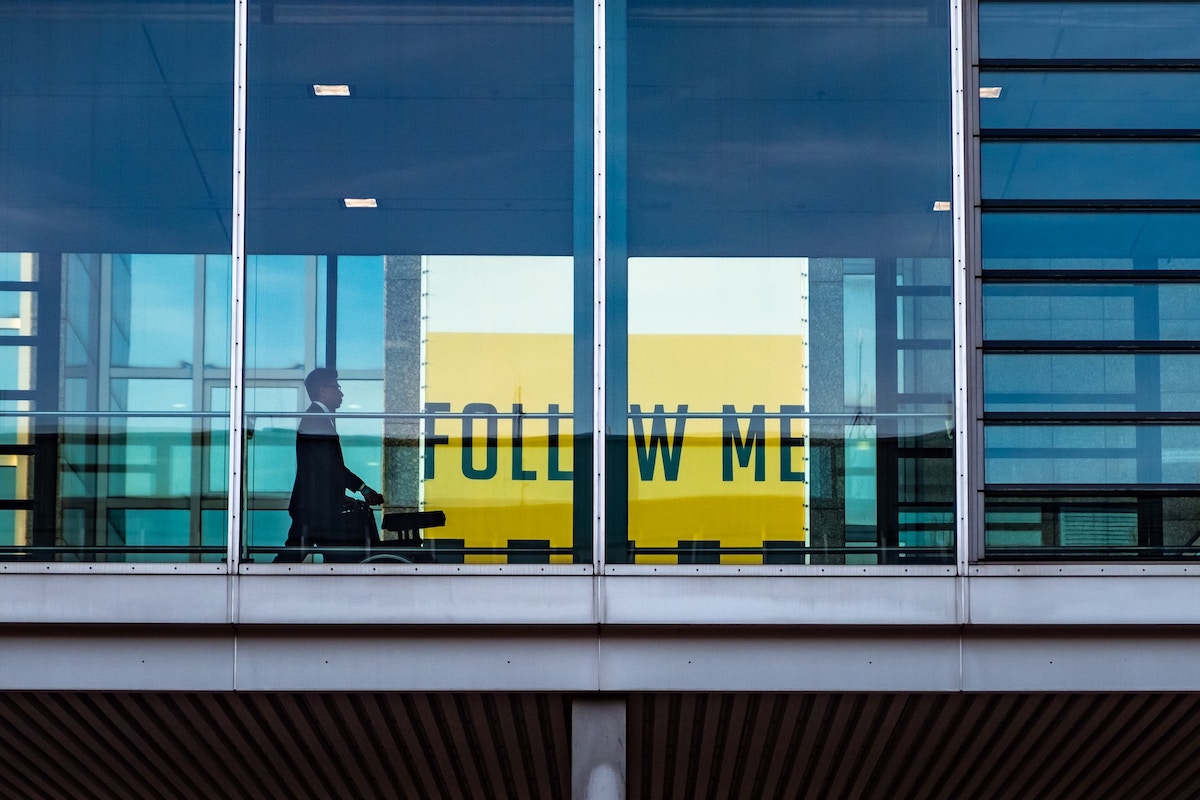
(686, 746)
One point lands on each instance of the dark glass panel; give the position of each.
(1091, 311)
(1091, 241)
(458, 123)
(780, 129)
(1064, 527)
(1051, 30)
(1090, 170)
(117, 126)
(1091, 100)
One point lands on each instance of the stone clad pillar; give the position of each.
(402, 381)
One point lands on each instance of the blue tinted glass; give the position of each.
(772, 129)
(1091, 454)
(1091, 382)
(117, 126)
(1091, 241)
(1089, 311)
(1088, 30)
(1090, 170)
(1091, 100)
(360, 312)
(458, 123)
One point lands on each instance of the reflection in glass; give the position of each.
(1082, 526)
(1091, 241)
(1088, 30)
(459, 402)
(779, 285)
(1090, 170)
(115, 220)
(1030, 454)
(1090, 100)
(1091, 312)
(448, 309)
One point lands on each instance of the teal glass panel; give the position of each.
(1090, 100)
(360, 312)
(1044, 454)
(1090, 170)
(1088, 30)
(1091, 311)
(1091, 241)
(1091, 382)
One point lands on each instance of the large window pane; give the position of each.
(779, 314)
(445, 301)
(115, 219)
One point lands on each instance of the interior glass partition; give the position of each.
(412, 226)
(115, 210)
(1091, 272)
(780, 378)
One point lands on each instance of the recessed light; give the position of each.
(941, 205)
(331, 89)
(990, 92)
(360, 202)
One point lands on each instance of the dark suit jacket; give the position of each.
(321, 478)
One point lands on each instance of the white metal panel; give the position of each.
(780, 662)
(746, 600)
(317, 599)
(404, 660)
(1085, 600)
(1074, 661)
(115, 599)
(149, 660)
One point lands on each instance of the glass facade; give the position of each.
(1089, 280)
(115, 275)
(481, 240)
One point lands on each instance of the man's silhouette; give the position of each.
(322, 479)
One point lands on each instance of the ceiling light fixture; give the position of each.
(941, 205)
(990, 92)
(331, 89)
(360, 202)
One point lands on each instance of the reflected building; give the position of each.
(758, 391)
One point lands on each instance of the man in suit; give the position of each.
(322, 478)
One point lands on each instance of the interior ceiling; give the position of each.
(685, 746)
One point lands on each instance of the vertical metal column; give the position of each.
(600, 279)
(967, 453)
(237, 314)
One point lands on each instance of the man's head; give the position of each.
(322, 386)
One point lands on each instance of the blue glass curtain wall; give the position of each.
(1090, 279)
(418, 256)
(115, 274)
